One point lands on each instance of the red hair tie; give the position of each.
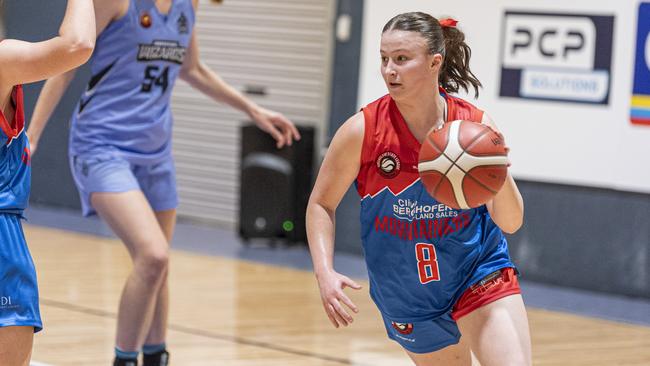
(449, 22)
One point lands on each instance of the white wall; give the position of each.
(562, 142)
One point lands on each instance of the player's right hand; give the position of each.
(331, 286)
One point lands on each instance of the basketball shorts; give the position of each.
(111, 173)
(18, 287)
(433, 335)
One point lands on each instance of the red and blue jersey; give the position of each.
(421, 254)
(15, 170)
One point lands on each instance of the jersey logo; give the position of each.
(92, 84)
(26, 157)
(170, 51)
(145, 20)
(388, 164)
(403, 328)
(182, 24)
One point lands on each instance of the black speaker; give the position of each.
(275, 185)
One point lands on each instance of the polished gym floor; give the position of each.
(256, 305)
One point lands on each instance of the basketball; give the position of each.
(463, 164)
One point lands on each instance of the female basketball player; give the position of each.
(435, 273)
(120, 147)
(26, 62)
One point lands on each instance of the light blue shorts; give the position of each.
(18, 287)
(112, 173)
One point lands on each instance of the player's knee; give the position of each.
(152, 266)
(517, 359)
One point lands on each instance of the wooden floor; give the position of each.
(231, 312)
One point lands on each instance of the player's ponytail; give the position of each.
(455, 72)
(444, 38)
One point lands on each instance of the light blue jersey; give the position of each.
(125, 110)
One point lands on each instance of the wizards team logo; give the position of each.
(388, 164)
(403, 328)
(640, 106)
(183, 28)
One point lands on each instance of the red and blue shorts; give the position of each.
(433, 335)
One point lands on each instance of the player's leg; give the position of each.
(154, 350)
(131, 218)
(454, 355)
(497, 331)
(16, 345)
(19, 309)
(158, 183)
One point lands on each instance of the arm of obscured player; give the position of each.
(201, 77)
(338, 171)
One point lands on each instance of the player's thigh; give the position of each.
(454, 355)
(498, 332)
(16, 345)
(167, 221)
(131, 218)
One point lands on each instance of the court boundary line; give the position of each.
(202, 333)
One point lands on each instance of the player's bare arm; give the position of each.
(507, 207)
(106, 11)
(26, 62)
(196, 73)
(339, 169)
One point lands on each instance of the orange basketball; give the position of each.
(463, 164)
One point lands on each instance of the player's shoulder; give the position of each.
(111, 9)
(464, 103)
(460, 108)
(353, 128)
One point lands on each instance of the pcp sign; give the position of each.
(640, 110)
(554, 56)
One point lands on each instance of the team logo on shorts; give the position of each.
(403, 328)
(388, 164)
(145, 20)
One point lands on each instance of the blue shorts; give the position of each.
(436, 334)
(18, 287)
(424, 337)
(112, 173)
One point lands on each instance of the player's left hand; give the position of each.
(277, 125)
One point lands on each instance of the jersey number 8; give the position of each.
(427, 262)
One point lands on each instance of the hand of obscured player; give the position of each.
(331, 286)
(277, 125)
(494, 128)
(33, 142)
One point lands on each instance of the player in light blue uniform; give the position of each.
(26, 62)
(121, 129)
(120, 147)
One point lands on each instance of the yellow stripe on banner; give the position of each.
(642, 101)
